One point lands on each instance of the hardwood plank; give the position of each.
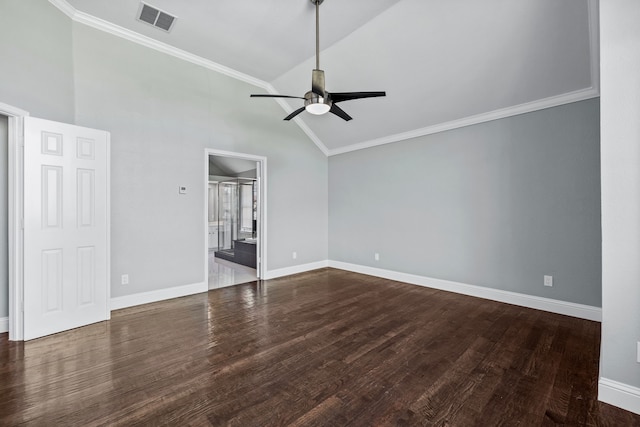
(327, 347)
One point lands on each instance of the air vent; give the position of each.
(156, 17)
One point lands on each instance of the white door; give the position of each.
(66, 244)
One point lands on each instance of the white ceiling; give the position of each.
(442, 63)
(230, 166)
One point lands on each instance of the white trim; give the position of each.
(262, 207)
(65, 8)
(125, 301)
(619, 394)
(302, 268)
(10, 110)
(118, 31)
(306, 129)
(594, 43)
(16, 284)
(108, 226)
(4, 325)
(539, 303)
(502, 113)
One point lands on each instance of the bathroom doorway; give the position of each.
(235, 209)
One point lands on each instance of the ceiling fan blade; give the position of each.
(340, 112)
(295, 113)
(348, 96)
(268, 95)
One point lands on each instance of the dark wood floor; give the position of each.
(326, 348)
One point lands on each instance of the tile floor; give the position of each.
(224, 273)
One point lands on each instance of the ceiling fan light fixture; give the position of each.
(318, 108)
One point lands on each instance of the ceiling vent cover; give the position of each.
(156, 17)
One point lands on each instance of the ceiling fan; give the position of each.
(318, 101)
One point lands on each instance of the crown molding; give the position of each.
(554, 101)
(298, 120)
(118, 31)
(502, 113)
(591, 92)
(65, 8)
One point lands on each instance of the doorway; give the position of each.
(15, 124)
(235, 200)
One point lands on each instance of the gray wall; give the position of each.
(36, 59)
(4, 219)
(499, 204)
(162, 113)
(37, 75)
(620, 79)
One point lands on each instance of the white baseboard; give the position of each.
(546, 304)
(287, 271)
(619, 394)
(158, 295)
(4, 325)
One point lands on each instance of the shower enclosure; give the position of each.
(237, 221)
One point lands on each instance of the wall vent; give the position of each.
(156, 17)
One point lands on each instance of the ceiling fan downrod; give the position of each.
(317, 3)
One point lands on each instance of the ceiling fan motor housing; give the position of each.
(317, 100)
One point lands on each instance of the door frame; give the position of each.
(15, 206)
(262, 207)
(16, 219)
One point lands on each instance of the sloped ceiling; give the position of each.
(229, 166)
(443, 64)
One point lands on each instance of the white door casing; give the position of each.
(261, 171)
(66, 227)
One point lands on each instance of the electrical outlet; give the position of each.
(294, 255)
(376, 256)
(548, 281)
(124, 279)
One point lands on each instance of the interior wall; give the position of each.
(498, 204)
(620, 88)
(4, 217)
(36, 58)
(162, 113)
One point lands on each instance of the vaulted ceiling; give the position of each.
(443, 64)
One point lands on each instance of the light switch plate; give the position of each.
(182, 190)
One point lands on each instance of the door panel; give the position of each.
(65, 227)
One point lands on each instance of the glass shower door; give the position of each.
(227, 215)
